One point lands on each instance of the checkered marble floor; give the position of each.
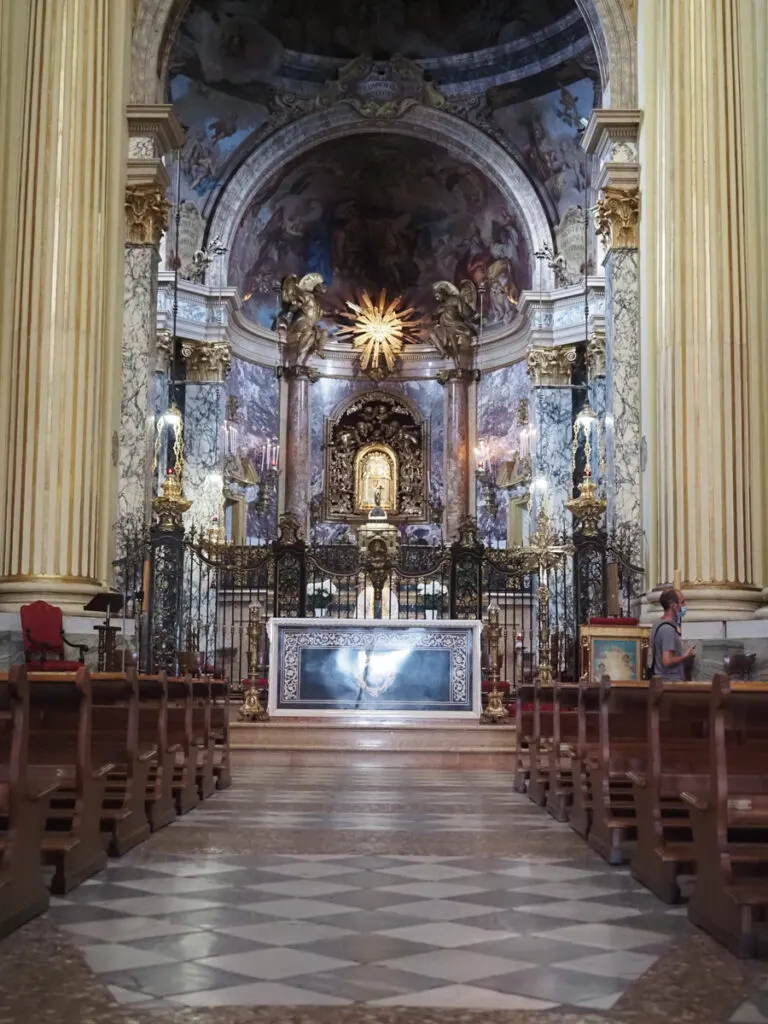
(309, 929)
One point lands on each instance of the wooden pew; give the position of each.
(116, 739)
(563, 749)
(677, 760)
(587, 744)
(524, 727)
(61, 738)
(220, 731)
(622, 749)
(24, 802)
(153, 728)
(730, 823)
(541, 743)
(180, 736)
(202, 736)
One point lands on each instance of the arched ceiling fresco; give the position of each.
(256, 33)
(381, 212)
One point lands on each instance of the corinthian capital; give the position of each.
(596, 353)
(207, 361)
(146, 214)
(551, 367)
(617, 214)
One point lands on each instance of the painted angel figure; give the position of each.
(455, 319)
(299, 324)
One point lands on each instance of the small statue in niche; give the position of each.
(455, 319)
(299, 323)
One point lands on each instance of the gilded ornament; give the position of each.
(379, 330)
(207, 362)
(298, 326)
(170, 505)
(617, 215)
(146, 214)
(551, 367)
(587, 509)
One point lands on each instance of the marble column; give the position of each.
(63, 291)
(703, 244)
(297, 478)
(205, 399)
(153, 132)
(551, 411)
(613, 136)
(456, 472)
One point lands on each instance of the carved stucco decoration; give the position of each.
(376, 418)
(596, 354)
(551, 367)
(146, 214)
(617, 215)
(373, 89)
(207, 361)
(164, 351)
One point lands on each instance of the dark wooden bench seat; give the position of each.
(180, 737)
(24, 800)
(220, 731)
(153, 729)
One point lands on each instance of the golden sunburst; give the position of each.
(379, 329)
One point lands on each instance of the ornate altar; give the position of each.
(378, 442)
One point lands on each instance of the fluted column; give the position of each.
(153, 132)
(612, 136)
(456, 449)
(60, 380)
(703, 234)
(297, 478)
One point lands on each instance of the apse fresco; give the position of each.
(381, 213)
(545, 131)
(245, 40)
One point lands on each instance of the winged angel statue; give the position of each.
(455, 319)
(299, 323)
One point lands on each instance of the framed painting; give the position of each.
(619, 652)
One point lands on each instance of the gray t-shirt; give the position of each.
(665, 637)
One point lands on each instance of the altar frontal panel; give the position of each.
(384, 667)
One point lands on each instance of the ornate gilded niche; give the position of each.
(376, 442)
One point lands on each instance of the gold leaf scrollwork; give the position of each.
(146, 214)
(617, 215)
(551, 367)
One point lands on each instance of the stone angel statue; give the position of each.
(299, 323)
(455, 319)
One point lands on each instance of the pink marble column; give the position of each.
(297, 444)
(456, 450)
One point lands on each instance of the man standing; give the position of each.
(667, 658)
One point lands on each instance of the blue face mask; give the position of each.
(681, 615)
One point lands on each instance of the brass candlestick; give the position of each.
(252, 709)
(495, 711)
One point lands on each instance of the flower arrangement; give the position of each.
(320, 594)
(433, 594)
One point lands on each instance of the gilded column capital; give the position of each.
(207, 361)
(146, 214)
(596, 353)
(551, 367)
(617, 216)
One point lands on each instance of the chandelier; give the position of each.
(379, 329)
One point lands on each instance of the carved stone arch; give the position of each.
(360, 423)
(613, 34)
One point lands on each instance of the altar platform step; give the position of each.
(329, 741)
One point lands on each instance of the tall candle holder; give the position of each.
(495, 634)
(252, 709)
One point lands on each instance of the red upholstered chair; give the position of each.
(43, 627)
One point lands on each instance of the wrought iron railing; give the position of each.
(192, 599)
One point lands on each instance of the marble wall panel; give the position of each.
(257, 391)
(551, 414)
(204, 408)
(499, 394)
(138, 385)
(622, 350)
(597, 399)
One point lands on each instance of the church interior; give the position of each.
(384, 565)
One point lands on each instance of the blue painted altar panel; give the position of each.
(372, 667)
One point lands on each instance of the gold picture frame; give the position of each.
(620, 652)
